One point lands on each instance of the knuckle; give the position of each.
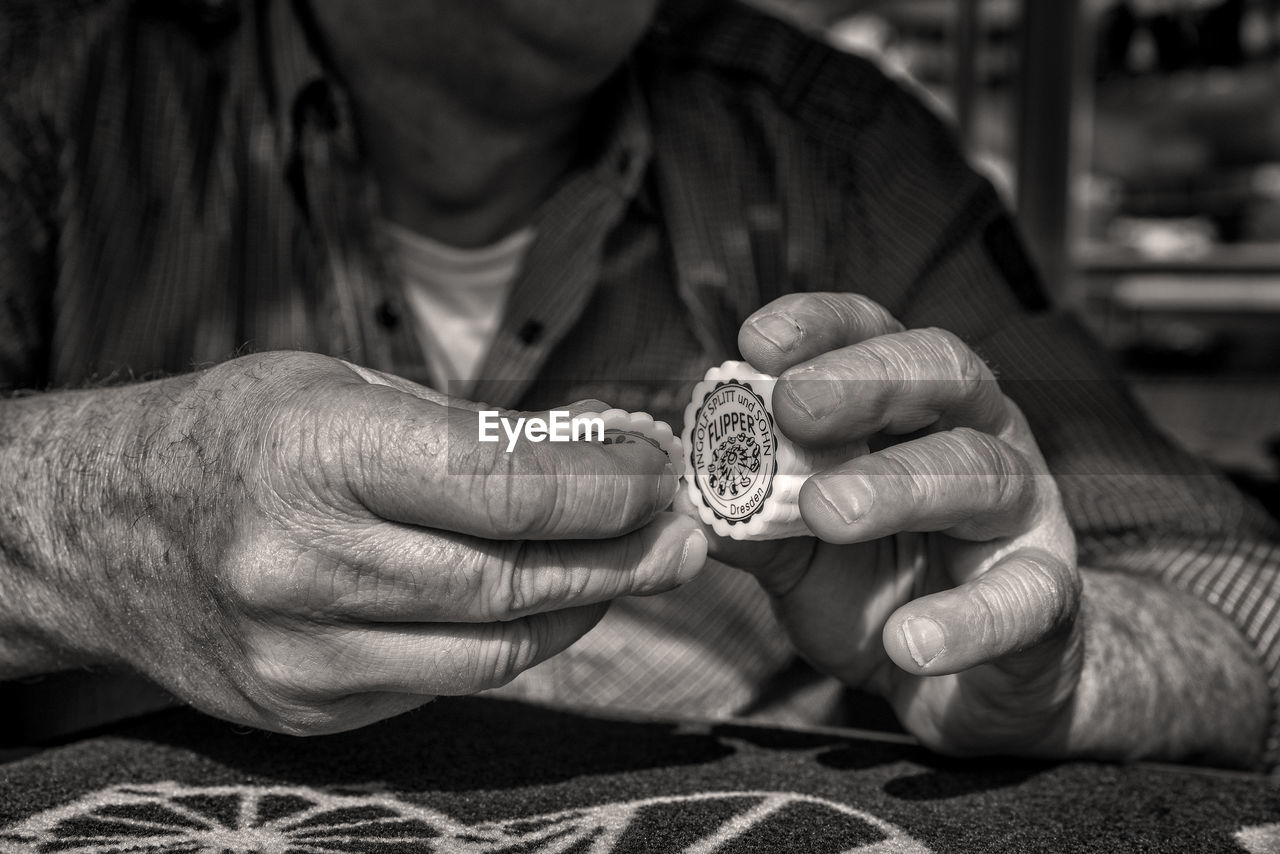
(255, 585)
(1057, 587)
(468, 582)
(991, 605)
(957, 360)
(1004, 480)
(304, 455)
(850, 310)
(247, 588)
(555, 585)
(526, 584)
(1026, 602)
(308, 720)
(1009, 605)
(282, 692)
(1015, 430)
(631, 501)
(951, 346)
(1002, 468)
(604, 497)
(359, 455)
(512, 650)
(979, 453)
(900, 461)
(275, 673)
(518, 499)
(1015, 490)
(298, 720)
(917, 476)
(877, 312)
(878, 382)
(279, 578)
(944, 342)
(971, 375)
(632, 572)
(462, 584)
(882, 363)
(511, 594)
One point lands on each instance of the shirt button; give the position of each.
(317, 99)
(216, 12)
(387, 316)
(625, 159)
(531, 333)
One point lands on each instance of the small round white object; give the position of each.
(628, 428)
(741, 473)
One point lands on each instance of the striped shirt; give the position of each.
(183, 182)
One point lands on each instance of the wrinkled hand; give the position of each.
(320, 546)
(945, 577)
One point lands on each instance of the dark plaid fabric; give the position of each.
(484, 777)
(183, 181)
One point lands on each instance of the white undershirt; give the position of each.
(457, 296)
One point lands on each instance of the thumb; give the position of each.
(1026, 599)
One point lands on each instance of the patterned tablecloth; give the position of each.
(490, 776)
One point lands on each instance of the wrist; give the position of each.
(69, 523)
(50, 454)
(1164, 677)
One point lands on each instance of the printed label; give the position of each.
(733, 451)
(614, 436)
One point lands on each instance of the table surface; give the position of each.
(478, 775)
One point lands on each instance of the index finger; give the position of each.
(422, 463)
(799, 327)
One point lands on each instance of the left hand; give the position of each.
(944, 575)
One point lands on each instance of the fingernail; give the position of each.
(694, 556)
(849, 498)
(778, 329)
(924, 640)
(814, 392)
(668, 486)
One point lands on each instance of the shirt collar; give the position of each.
(298, 78)
(302, 82)
(628, 146)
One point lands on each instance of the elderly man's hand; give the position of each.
(319, 546)
(945, 572)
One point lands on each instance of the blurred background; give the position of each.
(1139, 143)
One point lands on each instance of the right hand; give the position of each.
(313, 546)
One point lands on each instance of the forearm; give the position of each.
(1165, 676)
(70, 532)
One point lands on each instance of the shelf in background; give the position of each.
(1247, 259)
(1243, 278)
(1230, 421)
(1206, 293)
